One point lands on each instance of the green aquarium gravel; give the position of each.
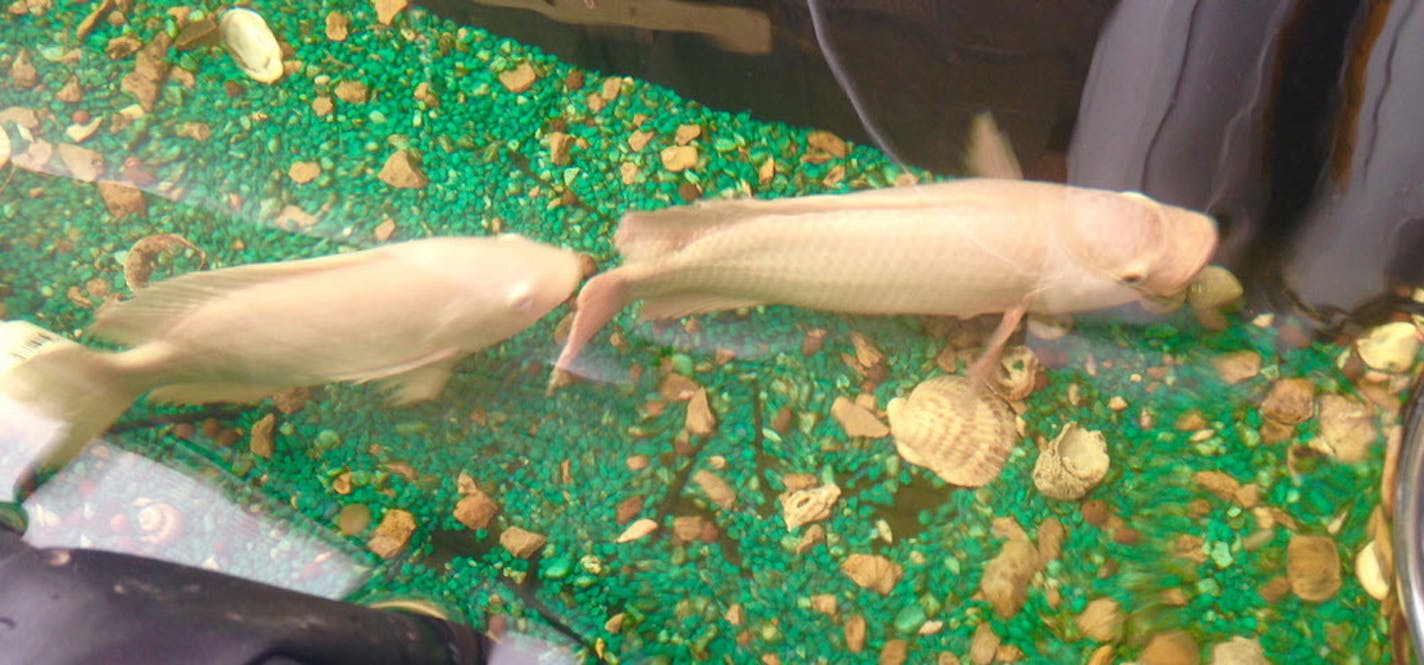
(645, 518)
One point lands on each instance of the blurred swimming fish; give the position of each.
(960, 248)
(402, 315)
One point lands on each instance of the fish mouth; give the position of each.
(1194, 241)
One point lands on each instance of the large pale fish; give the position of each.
(960, 248)
(402, 315)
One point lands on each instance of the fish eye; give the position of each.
(1131, 278)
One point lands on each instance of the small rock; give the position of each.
(559, 144)
(685, 134)
(71, 93)
(855, 633)
(402, 171)
(856, 420)
(629, 508)
(700, 421)
(804, 506)
(291, 400)
(1239, 651)
(1101, 620)
(1170, 648)
(688, 528)
(121, 200)
(392, 533)
(638, 529)
(1233, 368)
(1051, 535)
(520, 543)
(1391, 347)
(814, 535)
(338, 26)
(983, 645)
(1347, 429)
(1290, 402)
(824, 603)
(384, 230)
(717, 490)
(872, 571)
(386, 10)
(81, 132)
(353, 92)
(150, 71)
(476, 510)
(1102, 655)
(22, 71)
(260, 439)
(1219, 483)
(519, 79)
(639, 139)
(679, 157)
(1006, 577)
(198, 131)
(292, 218)
(895, 652)
(1313, 567)
(303, 172)
(610, 88)
(322, 106)
(827, 143)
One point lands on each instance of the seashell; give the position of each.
(1313, 567)
(1213, 287)
(808, 505)
(160, 523)
(1018, 373)
(1072, 464)
(252, 45)
(961, 434)
(1370, 570)
(1390, 347)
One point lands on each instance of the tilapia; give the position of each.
(402, 315)
(959, 248)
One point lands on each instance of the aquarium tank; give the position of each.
(736, 331)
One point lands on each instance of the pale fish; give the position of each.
(402, 315)
(960, 248)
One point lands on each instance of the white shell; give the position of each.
(1390, 347)
(1072, 464)
(962, 434)
(253, 46)
(1017, 374)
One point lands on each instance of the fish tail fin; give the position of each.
(56, 395)
(601, 298)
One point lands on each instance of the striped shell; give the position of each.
(961, 434)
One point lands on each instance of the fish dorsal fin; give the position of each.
(990, 154)
(677, 305)
(644, 236)
(153, 308)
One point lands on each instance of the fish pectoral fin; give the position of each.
(678, 305)
(207, 393)
(990, 154)
(417, 385)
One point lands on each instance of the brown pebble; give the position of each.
(984, 646)
(1290, 401)
(386, 10)
(813, 341)
(855, 627)
(1170, 648)
(629, 508)
(1126, 535)
(323, 106)
(700, 421)
(291, 400)
(895, 652)
(827, 143)
(260, 442)
(519, 79)
(688, 528)
(679, 158)
(476, 510)
(392, 533)
(872, 571)
(353, 92)
(338, 26)
(303, 172)
(1275, 589)
(1095, 512)
(1237, 366)
(384, 230)
(402, 170)
(520, 543)
(1006, 577)
(718, 491)
(1101, 620)
(856, 420)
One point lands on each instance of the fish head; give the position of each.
(545, 276)
(1134, 241)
